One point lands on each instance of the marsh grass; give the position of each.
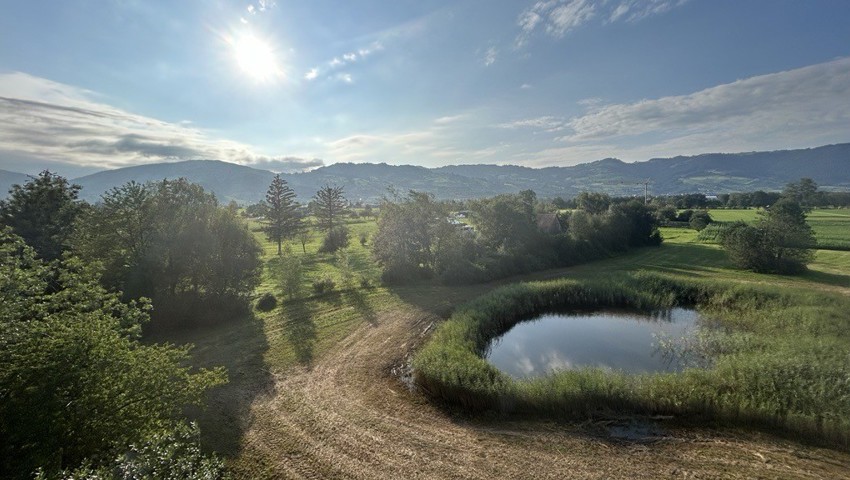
(780, 357)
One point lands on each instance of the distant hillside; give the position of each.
(712, 173)
(7, 179)
(227, 181)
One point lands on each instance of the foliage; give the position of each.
(267, 302)
(364, 237)
(328, 207)
(42, 212)
(593, 203)
(170, 241)
(335, 239)
(289, 273)
(412, 233)
(779, 243)
(804, 192)
(506, 221)
(281, 221)
(76, 385)
(699, 220)
(173, 453)
(323, 285)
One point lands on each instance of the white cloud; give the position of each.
(813, 98)
(345, 77)
(545, 124)
(312, 74)
(525, 86)
(48, 120)
(490, 56)
(800, 108)
(558, 17)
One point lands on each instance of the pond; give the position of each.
(612, 339)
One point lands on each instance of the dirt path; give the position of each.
(348, 417)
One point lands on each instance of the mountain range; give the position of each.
(712, 173)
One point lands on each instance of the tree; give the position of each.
(804, 192)
(171, 242)
(593, 202)
(76, 384)
(42, 212)
(281, 219)
(413, 236)
(304, 234)
(506, 221)
(780, 242)
(328, 207)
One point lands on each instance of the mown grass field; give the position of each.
(830, 226)
(314, 389)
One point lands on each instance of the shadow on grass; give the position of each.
(827, 278)
(239, 346)
(299, 329)
(358, 299)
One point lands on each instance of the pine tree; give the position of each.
(328, 204)
(282, 220)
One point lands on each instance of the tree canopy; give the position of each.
(42, 212)
(76, 385)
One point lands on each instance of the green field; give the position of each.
(313, 389)
(831, 226)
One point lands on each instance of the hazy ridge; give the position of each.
(710, 173)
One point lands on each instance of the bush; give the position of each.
(267, 302)
(363, 238)
(699, 220)
(323, 285)
(335, 239)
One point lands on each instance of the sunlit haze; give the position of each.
(290, 86)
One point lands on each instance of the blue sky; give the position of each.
(286, 85)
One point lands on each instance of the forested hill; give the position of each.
(829, 166)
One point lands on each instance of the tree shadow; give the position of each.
(359, 300)
(240, 347)
(299, 329)
(826, 278)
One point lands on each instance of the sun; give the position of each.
(256, 58)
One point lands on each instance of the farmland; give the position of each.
(830, 226)
(315, 388)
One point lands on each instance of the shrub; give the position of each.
(335, 239)
(323, 285)
(699, 220)
(267, 302)
(363, 238)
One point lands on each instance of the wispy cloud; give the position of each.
(543, 124)
(558, 17)
(490, 56)
(798, 108)
(812, 98)
(344, 59)
(50, 120)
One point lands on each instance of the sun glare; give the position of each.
(256, 58)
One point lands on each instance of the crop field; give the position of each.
(319, 385)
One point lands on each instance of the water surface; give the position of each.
(609, 339)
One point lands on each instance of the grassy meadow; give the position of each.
(264, 352)
(830, 226)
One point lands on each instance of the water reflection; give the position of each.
(620, 340)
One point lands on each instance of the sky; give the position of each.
(289, 85)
